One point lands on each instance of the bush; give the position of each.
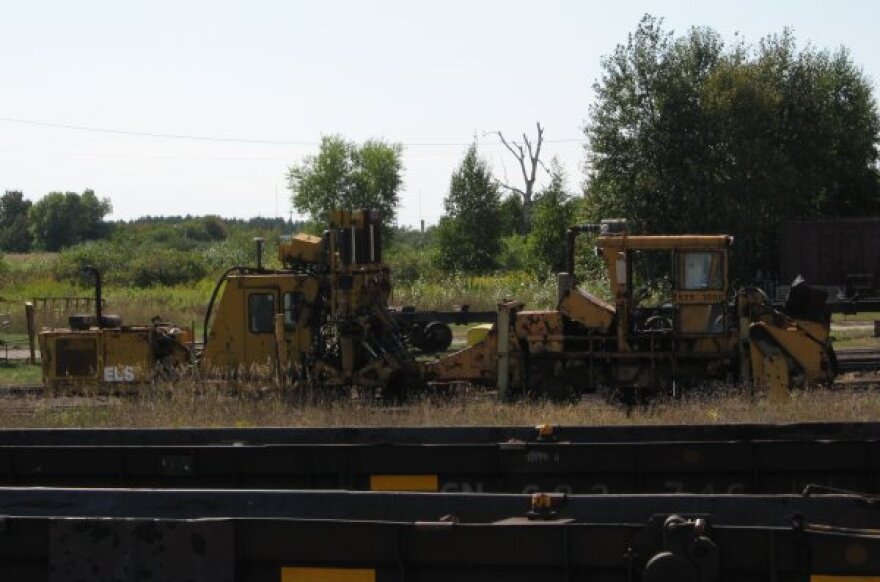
(124, 264)
(514, 253)
(409, 264)
(107, 257)
(205, 229)
(165, 267)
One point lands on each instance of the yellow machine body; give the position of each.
(242, 334)
(321, 322)
(110, 358)
(700, 332)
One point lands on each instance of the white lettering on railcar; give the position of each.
(118, 374)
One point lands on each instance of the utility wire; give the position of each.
(227, 139)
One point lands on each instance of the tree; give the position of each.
(687, 135)
(529, 158)
(469, 235)
(553, 214)
(511, 216)
(60, 220)
(344, 175)
(14, 235)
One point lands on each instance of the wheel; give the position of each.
(436, 337)
(111, 321)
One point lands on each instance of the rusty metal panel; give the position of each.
(542, 330)
(128, 550)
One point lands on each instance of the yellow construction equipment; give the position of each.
(697, 333)
(98, 351)
(321, 323)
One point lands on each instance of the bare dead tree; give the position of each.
(528, 154)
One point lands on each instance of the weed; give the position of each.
(258, 404)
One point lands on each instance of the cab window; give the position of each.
(261, 312)
(701, 270)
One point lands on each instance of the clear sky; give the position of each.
(433, 76)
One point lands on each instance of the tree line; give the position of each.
(686, 135)
(58, 220)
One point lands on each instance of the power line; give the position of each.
(221, 139)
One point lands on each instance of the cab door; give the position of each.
(260, 307)
(700, 292)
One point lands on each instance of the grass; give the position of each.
(16, 372)
(864, 316)
(187, 405)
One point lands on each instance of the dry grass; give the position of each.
(185, 405)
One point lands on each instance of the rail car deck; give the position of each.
(800, 431)
(256, 536)
(782, 459)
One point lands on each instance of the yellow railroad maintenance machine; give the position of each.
(322, 323)
(696, 334)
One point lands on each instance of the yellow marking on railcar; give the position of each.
(841, 578)
(293, 574)
(404, 483)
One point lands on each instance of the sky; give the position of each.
(173, 108)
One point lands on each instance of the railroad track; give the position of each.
(858, 359)
(849, 360)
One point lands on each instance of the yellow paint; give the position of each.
(477, 333)
(328, 575)
(589, 311)
(302, 248)
(404, 483)
(829, 578)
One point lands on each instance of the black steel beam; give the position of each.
(440, 435)
(746, 466)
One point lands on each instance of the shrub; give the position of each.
(107, 257)
(409, 264)
(165, 267)
(125, 264)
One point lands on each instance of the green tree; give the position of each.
(14, 235)
(553, 214)
(348, 176)
(469, 235)
(511, 210)
(205, 229)
(687, 135)
(60, 220)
